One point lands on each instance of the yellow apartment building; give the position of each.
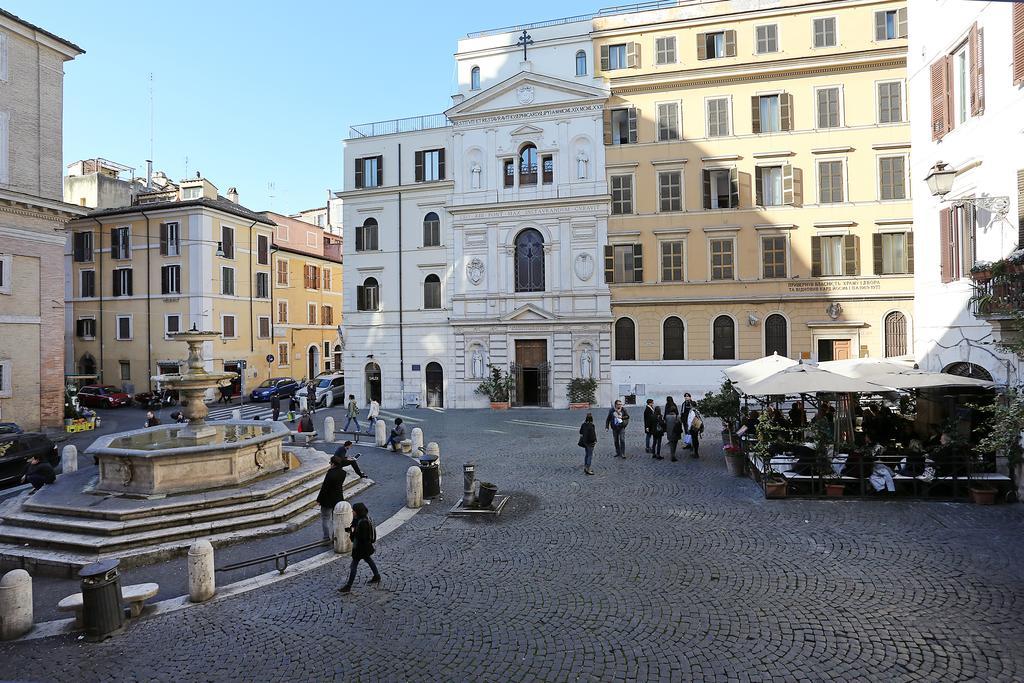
(307, 297)
(184, 257)
(757, 160)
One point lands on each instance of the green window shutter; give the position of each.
(163, 239)
(876, 242)
(638, 262)
(380, 171)
(755, 114)
(851, 264)
(440, 164)
(609, 264)
(815, 256)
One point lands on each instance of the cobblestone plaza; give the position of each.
(651, 570)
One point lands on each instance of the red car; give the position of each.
(102, 396)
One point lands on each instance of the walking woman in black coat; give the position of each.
(363, 537)
(588, 439)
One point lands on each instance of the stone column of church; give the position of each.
(566, 156)
(565, 256)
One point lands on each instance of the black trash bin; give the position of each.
(431, 476)
(102, 613)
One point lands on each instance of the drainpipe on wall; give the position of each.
(149, 306)
(401, 329)
(252, 319)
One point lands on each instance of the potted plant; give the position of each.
(767, 434)
(981, 272)
(497, 387)
(581, 392)
(824, 451)
(733, 459)
(725, 405)
(1005, 430)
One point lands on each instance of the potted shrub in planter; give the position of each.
(774, 483)
(1003, 439)
(823, 468)
(725, 405)
(497, 387)
(733, 459)
(581, 392)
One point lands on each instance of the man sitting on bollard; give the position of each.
(397, 436)
(332, 491)
(38, 474)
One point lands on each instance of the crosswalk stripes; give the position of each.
(533, 423)
(249, 412)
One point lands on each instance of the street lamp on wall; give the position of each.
(940, 183)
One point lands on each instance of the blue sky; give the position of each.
(254, 93)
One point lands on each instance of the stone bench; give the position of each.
(306, 437)
(135, 597)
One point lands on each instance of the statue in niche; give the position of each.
(477, 365)
(586, 363)
(475, 171)
(581, 164)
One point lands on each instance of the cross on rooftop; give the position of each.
(525, 40)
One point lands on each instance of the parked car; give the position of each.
(10, 428)
(330, 389)
(155, 400)
(275, 386)
(15, 450)
(102, 396)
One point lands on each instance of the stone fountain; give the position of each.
(195, 456)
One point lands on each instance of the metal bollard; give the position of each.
(202, 579)
(417, 440)
(382, 433)
(329, 429)
(414, 487)
(69, 459)
(15, 604)
(468, 477)
(342, 521)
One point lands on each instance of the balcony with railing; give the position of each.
(392, 126)
(999, 289)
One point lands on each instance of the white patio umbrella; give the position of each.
(806, 379)
(755, 370)
(864, 367)
(922, 379)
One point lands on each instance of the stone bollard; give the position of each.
(69, 459)
(382, 433)
(342, 521)
(202, 581)
(15, 604)
(329, 429)
(414, 487)
(406, 446)
(434, 450)
(236, 414)
(417, 440)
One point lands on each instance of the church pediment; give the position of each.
(527, 130)
(528, 313)
(526, 89)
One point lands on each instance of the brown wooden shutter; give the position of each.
(359, 173)
(939, 85)
(734, 188)
(440, 164)
(798, 187)
(880, 25)
(707, 188)
(702, 46)
(786, 111)
(609, 264)
(163, 239)
(815, 256)
(945, 255)
(634, 114)
(901, 22)
(380, 171)
(976, 57)
(604, 58)
(419, 167)
(910, 253)
(607, 127)
(788, 185)
(730, 43)
(851, 265)
(755, 114)
(638, 262)
(758, 195)
(1018, 43)
(876, 244)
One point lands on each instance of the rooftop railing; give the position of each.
(414, 123)
(607, 11)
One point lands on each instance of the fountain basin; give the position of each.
(164, 460)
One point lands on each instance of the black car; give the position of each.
(15, 450)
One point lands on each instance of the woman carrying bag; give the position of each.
(588, 439)
(657, 433)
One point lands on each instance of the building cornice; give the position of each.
(303, 254)
(32, 206)
(394, 189)
(537, 206)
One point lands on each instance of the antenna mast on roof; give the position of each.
(270, 192)
(151, 127)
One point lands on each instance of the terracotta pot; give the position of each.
(981, 276)
(499, 405)
(983, 496)
(579, 406)
(775, 489)
(734, 463)
(835, 490)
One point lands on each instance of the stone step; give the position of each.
(90, 544)
(105, 527)
(71, 495)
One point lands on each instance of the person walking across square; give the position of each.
(588, 439)
(353, 413)
(363, 535)
(372, 415)
(332, 491)
(617, 421)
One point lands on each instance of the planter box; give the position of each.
(579, 406)
(835, 490)
(775, 489)
(983, 496)
(499, 405)
(734, 463)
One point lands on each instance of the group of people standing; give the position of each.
(670, 423)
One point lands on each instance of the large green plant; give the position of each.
(723, 404)
(581, 390)
(1006, 422)
(768, 432)
(498, 386)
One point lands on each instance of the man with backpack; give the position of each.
(363, 535)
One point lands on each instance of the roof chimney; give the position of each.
(233, 195)
(149, 174)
